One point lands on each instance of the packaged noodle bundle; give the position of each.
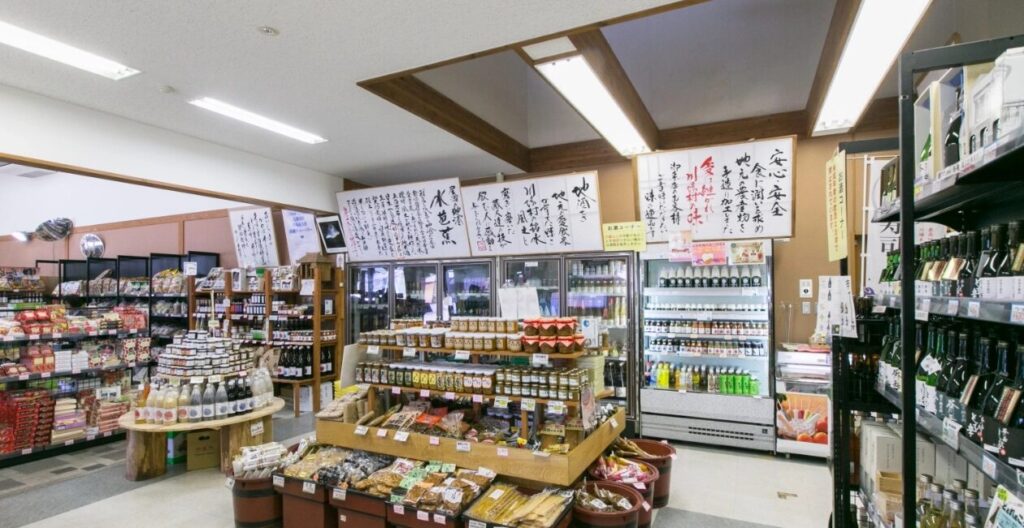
(504, 504)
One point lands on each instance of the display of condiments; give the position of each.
(476, 379)
(654, 303)
(696, 347)
(681, 326)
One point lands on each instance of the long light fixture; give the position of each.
(579, 85)
(254, 119)
(26, 40)
(879, 32)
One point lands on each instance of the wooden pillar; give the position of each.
(147, 455)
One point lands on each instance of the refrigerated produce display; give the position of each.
(706, 342)
(803, 384)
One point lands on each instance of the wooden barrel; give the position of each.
(256, 503)
(663, 455)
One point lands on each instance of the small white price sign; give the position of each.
(988, 465)
(45, 375)
(69, 442)
(256, 428)
(191, 268)
(926, 304)
(373, 350)
(27, 451)
(361, 430)
(528, 404)
(229, 483)
(424, 393)
(539, 360)
(476, 524)
(647, 506)
(398, 509)
(278, 481)
(462, 355)
(878, 309)
(57, 335)
(309, 487)
(973, 309)
(396, 390)
(449, 395)
(462, 446)
(408, 352)
(401, 436)
(953, 307)
(640, 486)
(921, 315)
(23, 377)
(501, 402)
(614, 422)
(502, 451)
(542, 454)
(435, 440)
(478, 398)
(951, 433)
(440, 519)
(556, 407)
(422, 516)
(1017, 313)
(339, 494)
(33, 337)
(382, 433)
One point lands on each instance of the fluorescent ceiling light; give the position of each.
(879, 32)
(265, 123)
(579, 85)
(63, 53)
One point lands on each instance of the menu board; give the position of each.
(410, 221)
(539, 215)
(742, 190)
(253, 233)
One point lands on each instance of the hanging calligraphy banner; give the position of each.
(835, 206)
(409, 221)
(736, 191)
(253, 232)
(539, 215)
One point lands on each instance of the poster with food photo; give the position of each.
(747, 252)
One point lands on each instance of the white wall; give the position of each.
(89, 201)
(39, 127)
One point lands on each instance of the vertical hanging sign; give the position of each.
(835, 206)
(253, 232)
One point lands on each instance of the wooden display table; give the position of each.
(147, 443)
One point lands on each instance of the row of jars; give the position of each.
(477, 379)
(549, 326)
(707, 327)
(492, 325)
(555, 384)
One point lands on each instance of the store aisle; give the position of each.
(712, 488)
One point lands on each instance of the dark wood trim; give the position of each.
(352, 185)
(133, 180)
(415, 96)
(838, 30)
(881, 114)
(586, 27)
(573, 155)
(736, 130)
(599, 55)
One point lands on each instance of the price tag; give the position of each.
(342, 518)
(23, 377)
(306, 287)
(502, 451)
(422, 516)
(951, 433)
(878, 309)
(278, 481)
(435, 440)
(501, 402)
(361, 430)
(539, 360)
(373, 350)
(1017, 313)
(229, 483)
(76, 370)
(45, 375)
(528, 404)
(215, 379)
(398, 509)
(647, 506)
(408, 352)
(953, 307)
(673, 456)
(424, 393)
(396, 390)
(90, 438)
(462, 446)
(478, 398)
(486, 472)
(496, 494)
(893, 301)
(191, 269)
(57, 335)
(108, 433)
(973, 309)
(988, 465)
(339, 494)
(27, 451)
(531, 264)
(640, 486)
(926, 304)
(614, 422)
(462, 355)
(556, 407)
(449, 395)
(476, 524)
(702, 316)
(33, 337)
(401, 436)
(440, 519)
(256, 428)
(541, 454)
(382, 433)
(921, 315)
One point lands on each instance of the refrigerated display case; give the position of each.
(706, 340)
(416, 291)
(544, 274)
(368, 302)
(468, 288)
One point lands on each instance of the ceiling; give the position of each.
(718, 60)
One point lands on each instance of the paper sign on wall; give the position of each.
(679, 246)
(743, 190)
(624, 236)
(519, 303)
(747, 252)
(710, 253)
(835, 206)
(253, 232)
(836, 314)
(399, 222)
(539, 215)
(300, 233)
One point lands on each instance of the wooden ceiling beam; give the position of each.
(881, 114)
(766, 126)
(838, 30)
(415, 96)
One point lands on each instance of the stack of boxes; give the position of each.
(68, 421)
(29, 416)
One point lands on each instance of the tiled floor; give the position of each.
(711, 488)
(21, 478)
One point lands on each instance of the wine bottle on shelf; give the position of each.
(947, 282)
(951, 144)
(1013, 246)
(1000, 381)
(965, 279)
(734, 277)
(959, 364)
(663, 279)
(744, 277)
(986, 373)
(1014, 405)
(946, 361)
(942, 258)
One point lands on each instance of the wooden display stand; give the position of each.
(147, 443)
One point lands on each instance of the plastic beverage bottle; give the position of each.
(140, 403)
(170, 406)
(195, 404)
(221, 402)
(209, 394)
(184, 398)
(153, 406)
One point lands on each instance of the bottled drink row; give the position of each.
(706, 307)
(980, 264)
(714, 380)
(197, 402)
(691, 347)
(297, 363)
(615, 373)
(711, 277)
(611, 310)
(712, 328)
(256, 304)
(938, 507)
(972, 363)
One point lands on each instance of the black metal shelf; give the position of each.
(35, 453)
(961, 307)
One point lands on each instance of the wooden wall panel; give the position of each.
(213, 235)
(14, 253)
(136, 241)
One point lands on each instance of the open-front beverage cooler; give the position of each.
(706, 341)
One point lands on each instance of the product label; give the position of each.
(496, 494)
(401, 436)
(931, 365)
(598, 504)
(222, 410)
(439, 519)
(462, 446)
(256, 428)
(233, 407)
(339, 494)
(278, 481)
(309, 487)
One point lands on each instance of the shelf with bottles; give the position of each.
(295, 363)
(726, 381)
(964, 308)
(200, 403)
(673, 277)
(758, 349)
(693, 329)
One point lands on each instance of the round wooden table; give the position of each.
(147, 443)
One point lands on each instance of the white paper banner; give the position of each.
(300, 233)
(253, 233)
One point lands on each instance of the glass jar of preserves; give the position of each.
(500, 342)
(478, 341)
(489, 342)
(400, 338)
(407, 377)
(543, 392)
(515, 390)
(459, 384)
(563, 394)
(472, 324)
(487, 383)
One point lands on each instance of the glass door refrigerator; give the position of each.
(416, 291)
(368, 300)
(468, 288)
(599, 291)
(542, 273)
(706, 342)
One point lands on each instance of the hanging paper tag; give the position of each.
(306, 287)
(373, 350)
(501, 402)
(528, 404)
(951, 433)
(408, 352)
(191, 269)
(539, 360)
